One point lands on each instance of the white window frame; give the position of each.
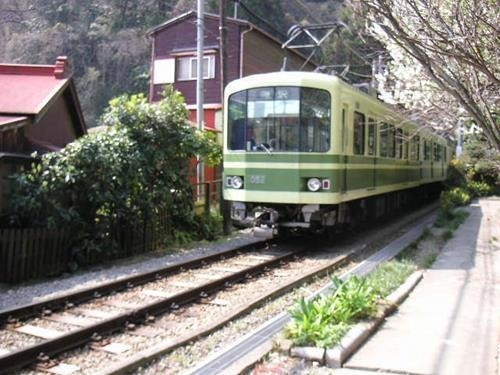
(192, 72)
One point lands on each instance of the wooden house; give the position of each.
(250, 50)
(39, 111)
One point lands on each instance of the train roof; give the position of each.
(317, 80)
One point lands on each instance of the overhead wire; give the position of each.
(264, 21)
(271, 27)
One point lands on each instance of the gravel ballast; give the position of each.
(11, 296)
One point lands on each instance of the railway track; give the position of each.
(118, 326)
(133, 306)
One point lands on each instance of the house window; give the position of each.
(187, 67)
(163, 71)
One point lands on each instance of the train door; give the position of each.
(345, 139)
(433, 156)
(443, 159)
(372, 148)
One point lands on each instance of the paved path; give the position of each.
(450, 324)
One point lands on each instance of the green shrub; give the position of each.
(479, 189)
(456, 174)
(135, 169)
(482, 161)
(453, 198)
(209, 227)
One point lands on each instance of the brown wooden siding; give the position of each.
(182, 37)
(55, 127)
(263, 55)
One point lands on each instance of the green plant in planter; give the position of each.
(313, 324)
(323, 321)
(353, 299)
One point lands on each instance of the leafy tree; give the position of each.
(137, 167)
(455, 43)
(481, 161)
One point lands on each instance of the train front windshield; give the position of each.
(278, 119)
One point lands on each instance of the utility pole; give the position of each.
(199, 65)
(199, 82)
(224, 205)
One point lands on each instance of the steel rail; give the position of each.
(225, 361)
(25, 356)
(83, 295)
(143, 357)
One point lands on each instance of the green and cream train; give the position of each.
(309, 151)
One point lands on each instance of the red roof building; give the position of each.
(39, 111)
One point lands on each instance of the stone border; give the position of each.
(358, 334)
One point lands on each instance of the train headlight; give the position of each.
(237, 182)
(314, 184)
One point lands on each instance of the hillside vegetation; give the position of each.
(106, 40)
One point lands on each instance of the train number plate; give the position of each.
(257, 179)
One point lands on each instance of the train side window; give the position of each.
(427, 150)
(434, 150)
(372, 136)
(384, 137)
(415, 148)
(391, 141)
(359, 134)
(406, 144)
(445, 155)
(398, 151)
(437, 152)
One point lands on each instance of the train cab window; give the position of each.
(415, 148)
(372, 137)
(359, 134)
(237, 117)
(271, 119)
(398, 149)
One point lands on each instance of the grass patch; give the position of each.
(447, 234)
(389, 275)
(451, 219)
(429, 260)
